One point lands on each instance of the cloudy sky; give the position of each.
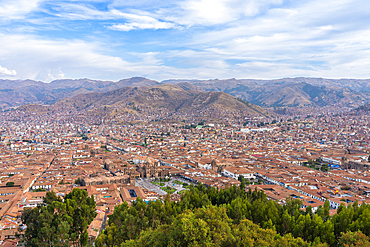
(110, 40)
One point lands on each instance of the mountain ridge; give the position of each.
(173, 98)
(285, 92)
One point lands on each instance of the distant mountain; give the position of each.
(166, 96)
(357, 85)
(19, 92)
(286, 92)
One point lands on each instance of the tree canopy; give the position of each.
(60, 222)
(9, 184)
(234, 209)
(203, 217)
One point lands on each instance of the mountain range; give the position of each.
(286, 92)
(180, 97)
(290, 92)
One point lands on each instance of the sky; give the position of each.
(47, 40)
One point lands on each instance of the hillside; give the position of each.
(286, 92)
(357, 85)
(298, 94)
(166, 96)
(365, 108)
(19, 92)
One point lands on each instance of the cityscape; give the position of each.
(184, 123)
(313, 157)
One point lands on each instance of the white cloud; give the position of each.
(17, 9)
(46, 60)
(214, 12)
(222, 38)
(134, 21)
(141, 3)
(5, 71)
(144, 25)
(51, 75)
(139, 22)
(35, 58)
(289, 42)
(79, 11)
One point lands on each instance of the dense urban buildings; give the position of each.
(316, 157)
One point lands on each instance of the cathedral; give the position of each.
(149, 169)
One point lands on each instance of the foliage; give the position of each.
(39, 190)
(158, 183)
(58, 222)
(181, 192)
(142, 221)
(345, 188)
(352, 239)
(168, 189)
(324, 167)
(9, 184)
(51, 197)
(211, 226)
(164, 179)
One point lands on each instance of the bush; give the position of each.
(39, 190)
(158, 183)
(169, 189)
(10, 184)
(345, 188)
(164, 179)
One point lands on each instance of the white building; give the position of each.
(234, 172)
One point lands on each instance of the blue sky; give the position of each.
(190, 39)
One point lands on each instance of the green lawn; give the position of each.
(168, 189)
(158, 183)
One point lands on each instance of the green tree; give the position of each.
(323, 212)
(39, 190)
(152, 224)
(210, 226)
(81, 208)
(10, 184)
(59, 223)
(352, 239)
(47, 225)
(107, 238)
(342, 219)
(51, 197)
(363, 222)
